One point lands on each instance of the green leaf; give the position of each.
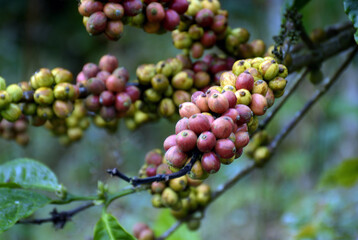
(351, 9)
(165, 221)
(108, 228)
(298, 4)
(345, 174)
(27, 173)
(16, 204)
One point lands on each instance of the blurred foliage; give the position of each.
(281, 201)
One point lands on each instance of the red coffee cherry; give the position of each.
(244, 80)
(195, 95)
(186, 140)
(115, 84)
(231, 97)
(188, 109)
(218, 103)
(132, 7)
(202, 103)
(106, 98)
(210, 162)
(204, 17)
(154, 158)
(245, 113)
(241, 139)
(258, 104)
(171, 20)
(169, 142)
(180, 6)
(225, 148)
(122, 102)
(155, 12)
(96, 23)
(108, 63)
(222, 127)
(206, 141)
(182, 124)
(199, 123)
(175, 157)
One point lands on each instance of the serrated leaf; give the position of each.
(27, 173)
(108, 228)
(16, 204)
(351, 9)
(165, 221)
(297, 4)
(345, 174)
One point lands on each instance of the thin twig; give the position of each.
(59, 219)
(172, 229)
(288, 93)
(319, 93)
(135, 181)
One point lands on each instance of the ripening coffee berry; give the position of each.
(106, 98)
(92, 103)
(244, 112)
(96, 23)
(181, 125)
(227, 78)
(115, 84)
(171, 20)
(43, 78)
(166, 107)
(206, 141)
(269, 69)
(62, 109)
(240, 66)
(108, 63)
(210, 162)
(180, 6)
(157, 187)
(218, 103)
(278, 84)
(163, 169)
(5, 99)
(15, 92)
(151, 170)
(225, 148)
(178, 184)
(197, 171)
(198, 123)
(11, 113)
(179, 96)
(169, 142)
(231, 97)
(169, 197)
(243, 97)
(175, 157)
(160, 82)
(204, 18)
(113, 11)
(133, 92)
(186, 140)
(155, 12)
(122, 102)
(44, 96)
(270, 97)
(96, 86)
(188, 109)
(182, 81)
(260, 87)
(258, 104)
(132, 7)
(244, 81)
(203, 194)
(114, 29)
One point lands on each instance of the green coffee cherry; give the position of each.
(5, 99)
(152, 96)
(282, 71)
(241, 34)
(169, 92)
(279, 94)
(64, 91)
(261, 155)
(11, 113)
(193, 224)
(181, 40)
(44, 96)
(145, 73)
(260, 87)
(74, 134)
(277, 84)
(256, 62)
(166, 107)
(240, 66)
(15, 92)
(160, 82)
(164, 68)
(195, 32)
(169, 198)
(178, 184)
(29, 108)
(243, 96)
(203, 194)
(182, 81)
(45, 112)
(44, 78)
(176, 65)
(62, 75)
(269, 69)
(157, 201)
(253, 124)
(2, 84)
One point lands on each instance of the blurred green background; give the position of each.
(282, 201)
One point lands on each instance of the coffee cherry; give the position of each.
(145, 73)
(180, 6)
(203, 194)
(270, 97)
(240, 66)
(160, 82)
(188, 109)
(138, 228)
(182, 81)
(243, 97)
(122, 102)
(108, 63)
(231, 97)
(180, 96)
(242, 138)
(155, 12)
(175, 157)
(233, 114)
(244, 81)
(169, 142)
(204, 18)
(157, 187)
(11, 113)
(166, 107)
(244, 112)
(178, 184)
(197, 171)
(62, 109)
(5, 99)
(43, 78)
(260, 87)
(169, 197)
(87, 7)
(92, 103)
(96, 86)
(106, 98)
(96, 23)
(44, 96)
(186, 140)
(258, 104)
(132, 7)
(227, 78)
(198, 123)
(278, 84)
(181, 125)
(171, 20)
(222, 127)
(113, 11)
(218, 103)
(206, 141)
(269, 69)
(210, 162)
(15, 92)
(133, 92)
(258, 48)
(261, 155)
(225, 148)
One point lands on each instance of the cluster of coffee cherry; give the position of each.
(110, 16)
(183, 195)
(15, 130)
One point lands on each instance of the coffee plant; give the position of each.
(218, 96)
